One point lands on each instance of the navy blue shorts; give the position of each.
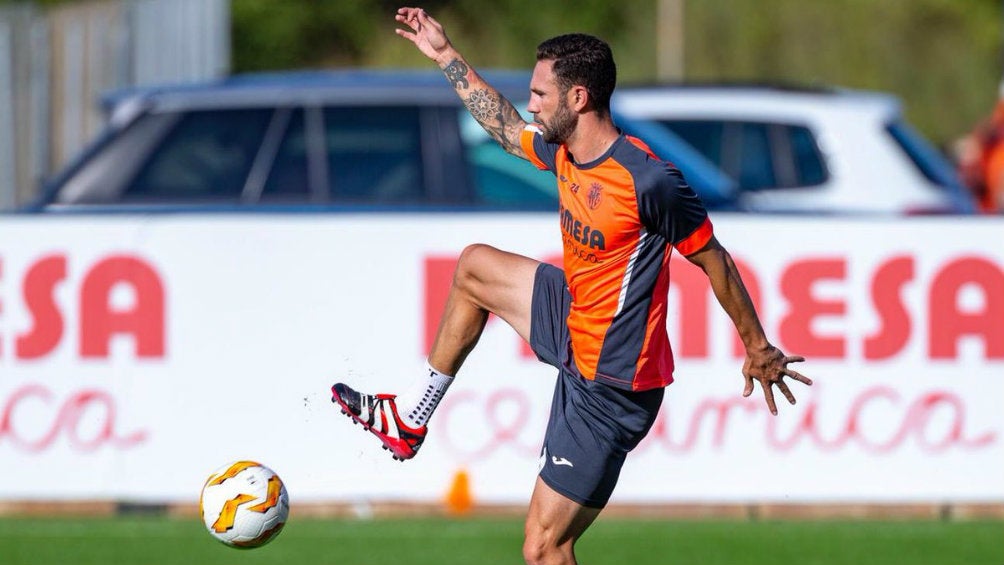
(592, 426)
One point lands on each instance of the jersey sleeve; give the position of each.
(541, 153)
(670, 207)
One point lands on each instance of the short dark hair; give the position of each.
(581, 59)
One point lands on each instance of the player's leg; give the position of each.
(591, 429)
(553, 524)
(486, 280)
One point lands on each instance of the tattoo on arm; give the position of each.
(498, 116)
(483, 106)
(456, 72)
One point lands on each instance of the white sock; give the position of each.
(416, 405)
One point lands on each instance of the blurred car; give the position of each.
(339, 140)
(807, 150)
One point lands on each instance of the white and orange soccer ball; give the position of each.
(244, 504)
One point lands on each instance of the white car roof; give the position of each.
(753, 102)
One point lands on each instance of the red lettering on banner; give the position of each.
(877, 420)
(100, 320)
(65, 417)
(913, 417)
(886, 289)
(752, 283)
(504, 432)
(694, 307)
(1, 306)
(691, 337)
(906, 419)
(144, 321)
(438, 279)
(39, 290)
(796, 328)
(949, 323)
(718, 411)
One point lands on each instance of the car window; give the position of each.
(755, 160)
(503, 180)
(926, 158)
(100, 175)
(206, 156)
(705, 136)
(288, 179)
(374, 154)
(759, 155)
(806, 156)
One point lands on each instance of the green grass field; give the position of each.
(154, 540)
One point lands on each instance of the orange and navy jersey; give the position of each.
(621, 217)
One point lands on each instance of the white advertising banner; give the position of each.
(138, 354)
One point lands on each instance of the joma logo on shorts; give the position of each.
(580, 232)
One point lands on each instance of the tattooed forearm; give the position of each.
(511, 127)
(483, 105)
(497, 115)
(456, 72)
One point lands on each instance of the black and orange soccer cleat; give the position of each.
(378, 415)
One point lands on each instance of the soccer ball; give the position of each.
(244, 504)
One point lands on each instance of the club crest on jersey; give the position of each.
(593, 199)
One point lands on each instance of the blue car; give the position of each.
(353, 140)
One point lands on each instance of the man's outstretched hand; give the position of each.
(426, 33)
(769, 366)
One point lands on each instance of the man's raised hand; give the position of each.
(426, 33)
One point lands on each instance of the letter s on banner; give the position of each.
(47, 321)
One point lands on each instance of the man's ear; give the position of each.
(578, 98)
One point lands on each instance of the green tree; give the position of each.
(942, 57)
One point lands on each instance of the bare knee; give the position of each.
(535, 550)
(541, 548)
(472, 268)
(495, 281)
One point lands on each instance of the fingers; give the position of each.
(785, 371)
(748, 389)
(781, 386)
(769, 395)
(405, 15)
(770, 369)
(414, 17)
(410, 17)
(768, 384)
(797, 376)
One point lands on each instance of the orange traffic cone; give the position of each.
(459, 500)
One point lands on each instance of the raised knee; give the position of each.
(474, 254)
(470, 263)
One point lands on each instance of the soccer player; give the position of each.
(601, 320)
